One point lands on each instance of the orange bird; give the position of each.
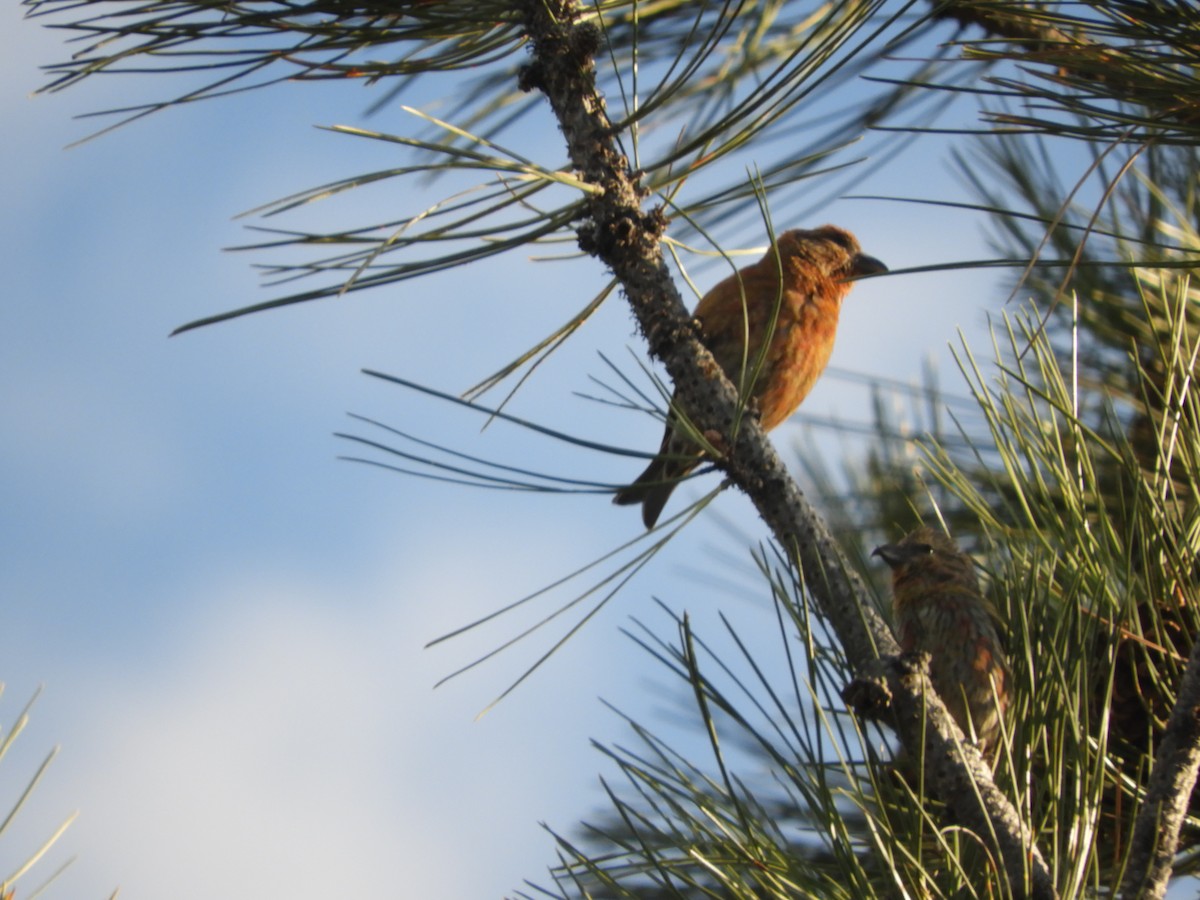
(791, 297)
(940, 610)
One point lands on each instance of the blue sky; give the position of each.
(227, 621)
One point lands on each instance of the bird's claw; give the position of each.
(914, 662)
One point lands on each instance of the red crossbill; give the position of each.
(791, 297)
(940, 610)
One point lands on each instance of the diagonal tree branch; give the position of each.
(1156, 831)
(627, 239)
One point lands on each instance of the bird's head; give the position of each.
(833, 250)
(922, 544)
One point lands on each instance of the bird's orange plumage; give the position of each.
(940, 610)
(793, 294)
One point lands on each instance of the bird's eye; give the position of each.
(842, 239)
(924, 549)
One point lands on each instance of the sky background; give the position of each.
(227, 622)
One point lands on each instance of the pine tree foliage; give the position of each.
(1081, 490)
(1071, 568)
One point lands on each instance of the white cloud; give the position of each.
(287, 743)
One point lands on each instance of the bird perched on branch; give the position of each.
(940, 610)
(787, 302)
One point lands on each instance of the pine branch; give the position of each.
(1156, 832)
(1141, 55)
(626, 239)
(999, 21)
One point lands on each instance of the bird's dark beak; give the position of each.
(866, 265)
(890, 554)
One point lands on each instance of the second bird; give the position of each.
(793, 295)
(940, 610)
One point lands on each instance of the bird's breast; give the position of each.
(800, 350)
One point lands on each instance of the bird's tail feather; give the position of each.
(651, 489)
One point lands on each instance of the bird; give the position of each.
(793, 296)
(940, 610)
